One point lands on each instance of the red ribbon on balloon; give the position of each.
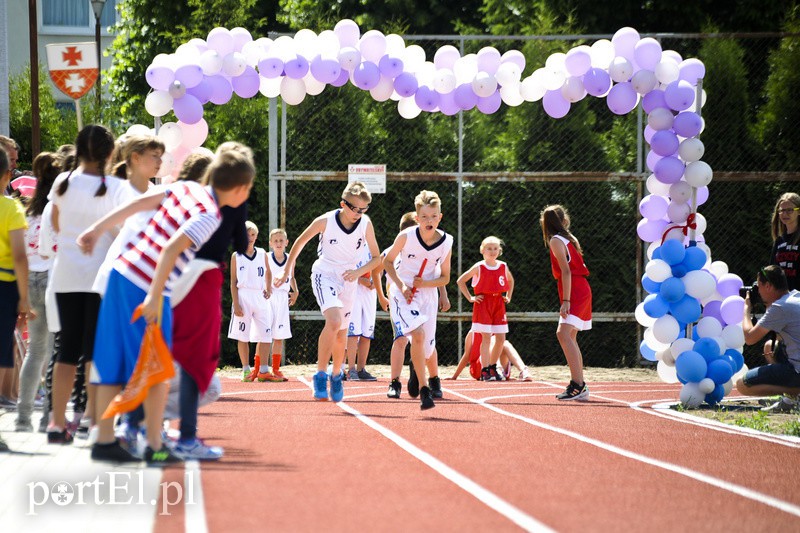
(690, 224)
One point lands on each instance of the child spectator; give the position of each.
(362, 322)
(472, 353)
(575, 314)
(413, 295)
(342, 233)
(490, 280)
(282, 298)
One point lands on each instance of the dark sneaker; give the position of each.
(395, 387)
(425, 399)
(3, 445)
(321, 386)
(493, 375)
(436, 386)
(485, 374)
(575, 392)
(113, 452)
(363, 375)
(413, 381)
(337, 388)
(164, 456)
(59, 437)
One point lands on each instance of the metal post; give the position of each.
(273, 163)
(460, 185)
(36, 140)
(97, 8)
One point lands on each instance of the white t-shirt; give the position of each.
(275, 269)
(415, 252)
(78, 208)
(339, 249)
(37, 263)
(251, 271)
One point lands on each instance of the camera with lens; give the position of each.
(755, 298)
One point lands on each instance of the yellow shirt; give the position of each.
(12, 217)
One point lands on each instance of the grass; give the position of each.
(747, 413)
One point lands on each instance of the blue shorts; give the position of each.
(779, 374)
(117, 341)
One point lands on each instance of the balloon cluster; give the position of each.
(180, 139)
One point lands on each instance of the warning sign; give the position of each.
(373, 176)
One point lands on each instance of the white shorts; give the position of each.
(362, 319)
(333, 291)
(577, 323)
(256, 324)
(489, 328)
(281, 329)
(422, 311)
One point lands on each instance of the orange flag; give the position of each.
(153, 366)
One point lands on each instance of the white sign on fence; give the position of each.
(373, 176)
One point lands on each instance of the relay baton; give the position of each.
(421, 270)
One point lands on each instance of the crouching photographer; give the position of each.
(782, 317)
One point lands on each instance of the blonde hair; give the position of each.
(357, 189)
(251, 226)
(233, 146)
(778, 227)
(491, 239)
(554, 220)
(427, 198)
(277, 231)
(231, 168)
(408, 220)
(134, 144)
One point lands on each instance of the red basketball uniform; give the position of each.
(580, 305)
(489, 315)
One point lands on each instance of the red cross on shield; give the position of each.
(73, 67)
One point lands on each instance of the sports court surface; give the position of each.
(490, 457)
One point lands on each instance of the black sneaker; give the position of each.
(59, 437)
(395, 387)
(493, 375)
(575, 392)
(413, 382)
(485, 374)
(113, 452)
(164, 456)
(425, 399)
(436, 386)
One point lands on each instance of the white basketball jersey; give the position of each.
(415, 252)
(340, 249)
(276, 268)
(250, 271)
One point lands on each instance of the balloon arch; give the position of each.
(685, 287)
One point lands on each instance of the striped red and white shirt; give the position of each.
(188, 207)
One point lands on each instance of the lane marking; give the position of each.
(195, 512)
(483, 495)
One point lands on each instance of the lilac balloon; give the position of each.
(159, 78)
(679, 95)
(622, 98)
(391, 67)
(651, 160)
(729, 285)
(270, 67)
(221, 90)
(669, 170)
(555, 104)
(325, 70)
(702, 195)
(465, 97)
(201, 91)
(343, 78)
(247, 83)
(687, 124)
(489, 104)
(664, 143)
(648, 133)
(597, 82)
(653, 100)
(405, 84)
(447, 104)
(296, 68)
(189, 75)
(651, 230)
(367, 75)
(732, 309)
(692, 70)
(426, 99)
(647, 53)
(653, 206)
(712, 309)
(188, 109)
(578, 61)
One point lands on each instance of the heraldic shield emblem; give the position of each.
(73, 67)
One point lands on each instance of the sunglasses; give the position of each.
(354, 209)
(788, 210)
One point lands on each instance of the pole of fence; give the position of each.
(273, 163)
(459, 184)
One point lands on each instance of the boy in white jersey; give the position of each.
(282, 298)
(362, 321)
(413, 294)
(251, 314)
(342, 233)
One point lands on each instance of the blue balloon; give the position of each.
(679, 271)
(719, 371)
(691, 366)
(715, 396)
(649, 285)
(736, 357)
(686, 310)
(672, 290)
(655, 306)
(708, 348)
(695, 259)
(672, 251)
(647, 352)
(657, 253)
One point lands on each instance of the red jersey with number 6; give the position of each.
(489, 315)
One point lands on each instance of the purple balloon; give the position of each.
(201, 91)
(555, 104)
(367, 75)
(405, 84)
(489, 104)
(651, 230)
(325, 70)
(712, 309)
(729, 285)
(247, 83)
(270, 67)
(669, 170)
(679, 95)
(188, 109)
(687, 124)
(465, 97)
(296, 68)
(596, 82)
(664, 143)
(447, 104)
(648, 133)
(652, 100)
(732, 309)
(391, 67)
(159, 78)
(189, 75)
(343, 78)
(702, 195)
(221, 90)
(692, 70)
(426, 99)
(622, 98)
(653, 206)
(651, 160)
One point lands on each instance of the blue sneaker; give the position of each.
(337, 388)
(321, 386)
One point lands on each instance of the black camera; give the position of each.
(755, 298)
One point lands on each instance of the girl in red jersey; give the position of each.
(570, 271)
(490, 280)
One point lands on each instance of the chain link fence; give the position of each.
(496, 172)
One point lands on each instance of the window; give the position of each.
(75, 16)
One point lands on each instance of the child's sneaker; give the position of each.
(435, 385)
(363, 375)
(395, 387)
(164, 456)
(352, 375)
(278, 374)
(337, 388)
(485, 374)
(250, 376)
(413, 381)
(575, 392)
(493, 375)
(525, 375)
(113, 452)
(268, 376)
(507, 371)
(197, 449)
(321, 386)
(425, 399)
(58, 436)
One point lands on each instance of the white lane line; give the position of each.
(698, 476)
(483, 495)
(194, 505)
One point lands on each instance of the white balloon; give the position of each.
(699, 284)
(233, 64)
(158, 103)
(395, 45)
(171, 135)
(328, 42)
(728, 386)
(708, 326)
(293, 91)
(484, 84)
(167, 164)
(466, 68)
(660, 118)
(740, 374)
(680, 192)
(444, 81)
(408, 108)
(553, 79)
(413, 58)
(733, 335)
(532, 89)
(426, 74)
(383, 91)
(681, 345)
(620, 69)
(306, 44)
(666, 357)
(719, 268)
(691, 396)
(652, 342)
(510, 95)
(313, 86)
(642, 317)
(658, 270)
(691, 150)
(139, 129)
(602, 53)
(654, 186)
(270, 87)
(678, 213)
(666, 372)
(556, 61)
(651, 248)
(667, 71)
(508, 74)
(721, 343)
(643, 81)
(698, 174)
(253, 53)
(706, 385)
(573, 90)
(349, 58)
(666, 329)
(701, 223)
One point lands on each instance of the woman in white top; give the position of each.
(80, 197)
